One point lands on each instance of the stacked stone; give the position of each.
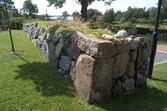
(99, 68)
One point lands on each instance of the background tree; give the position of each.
(136, 14)
(118, 15)
(65, 14)
(9, 4)
(76, 15)
(30, 8)
(91, 13)
(1, 13)
(84, 5)
(164, 10)
(152, 14)
(14, 13)
(1, 7)
(109, 16)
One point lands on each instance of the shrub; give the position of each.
(16, 23)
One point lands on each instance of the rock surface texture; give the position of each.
(99, 68)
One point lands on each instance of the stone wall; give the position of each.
(99, 68)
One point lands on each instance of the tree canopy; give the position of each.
(9, 4)
(30, 8)
(84, 5)
(65, 14)
(1, 8)
(10, 8)
(109, 16)
(91, 13)
(76, 14)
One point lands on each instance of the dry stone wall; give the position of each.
(99, 68)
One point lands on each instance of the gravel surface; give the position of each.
(161, 57)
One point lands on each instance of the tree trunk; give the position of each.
(84, 4)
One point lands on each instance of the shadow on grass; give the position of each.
(46, 78)
(21, 57)
(50, 83)
(159, 80)
(150, 100)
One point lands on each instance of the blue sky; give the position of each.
(72, 6)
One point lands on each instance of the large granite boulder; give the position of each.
(73, 50)
(120, 64)
(117, 89)
(56, 37)
(84, 77)
(64, 63)
(129, 85)
(51, 54)
(73, 70)
(95, 47)
(93, 78)
(121, 33)
(130, 71)
(59, 47)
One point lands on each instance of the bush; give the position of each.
(93, 24)
(109, 16)
(16, 23)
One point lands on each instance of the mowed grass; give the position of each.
(29, 83)
(162, 42)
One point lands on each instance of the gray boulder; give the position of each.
(59, 47)
(56, 37)
(64, 63)
(73, 50)
(72, 70)
(121, 33)
(129, 85)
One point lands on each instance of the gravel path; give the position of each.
(161, 57)
(162, 47)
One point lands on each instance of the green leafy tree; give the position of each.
(84, 5)
(9, 4)
(118, 16)
(152, 14)
(29, 8)
(14, 13)
(109, 16)
(164, 10)
(1, 13)
(91, 13)
(1, 8)
(65, 14)
(135, 14)
(76, 15)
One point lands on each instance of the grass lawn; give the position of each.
(29, 83)
(162, 42)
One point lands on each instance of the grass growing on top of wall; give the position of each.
(76, 25)
(29, 83)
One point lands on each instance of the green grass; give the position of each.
(29, 83)
(162, 42)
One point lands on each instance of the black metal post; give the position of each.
(10, 34)
(155, 39)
